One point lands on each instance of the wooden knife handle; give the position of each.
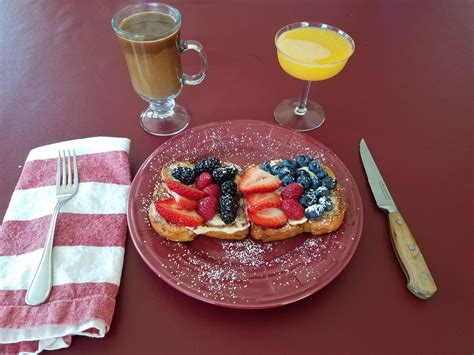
(420, 281)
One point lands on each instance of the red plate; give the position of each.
(244, 274)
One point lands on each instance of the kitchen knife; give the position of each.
(419, 279)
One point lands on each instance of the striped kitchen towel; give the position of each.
(88, 252)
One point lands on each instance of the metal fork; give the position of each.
(67, 182)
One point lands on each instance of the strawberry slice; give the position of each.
(170, 211)
(184, 202)
(184, 190)
(260, 201)
(268, 217)
(257, 180)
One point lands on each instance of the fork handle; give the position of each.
(40, 286)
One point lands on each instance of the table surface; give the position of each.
(407, 90)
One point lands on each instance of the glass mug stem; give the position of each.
(301, 108)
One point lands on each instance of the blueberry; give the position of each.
(293, 165)
(329, 182)
(314, 211)
(275, 169)
(326, 202)
(285, 171)
(321, 174)
(321, 191)
(309, 198)
(314, 166)
(305, 181)
(301, 172)
(287, 179)
(315, 182)
(303, 160)
(265, 166)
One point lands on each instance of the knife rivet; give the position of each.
(424, 275)
(411, 247)
(399, 221)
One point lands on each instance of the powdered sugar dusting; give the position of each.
(245, 273)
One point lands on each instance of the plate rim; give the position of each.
(288, 300)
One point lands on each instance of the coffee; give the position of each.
(154, 65)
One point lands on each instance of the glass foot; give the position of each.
(288, 114)
(165, 123)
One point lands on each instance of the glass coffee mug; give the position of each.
(149, 35)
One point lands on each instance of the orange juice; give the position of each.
(313, 53)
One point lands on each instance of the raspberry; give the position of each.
(212, 190)
(292, 209)
(292, 191)
(207, 207)
(203, 180)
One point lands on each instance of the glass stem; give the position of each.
(300, 109)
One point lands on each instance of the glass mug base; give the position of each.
(164, 123)
(287, 114)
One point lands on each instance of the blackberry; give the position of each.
(303, 160)
(329, 182)
(208, 164)
(229, 188)
(184, 174)
(223, 174)
(227, 208)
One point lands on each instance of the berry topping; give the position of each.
(305, 181)
(309, 198)
(184, 190)
(287, 179)
(203, 180)
(258, 180)
(207, 207)
(268, 217)
(314, 211)
(303, 160)
(315, 182)
(292, 209)
(229, 188)
(212, 190)
(292, 164)
(321, 174)
(184, 202)
(326, 202)
(293, 191)
(314, 166)
(184, 174)
(321, 191)
(259, 201)
(265, 166)
(329, 182)
(228, 209)
(275, 169)
(223, 174)
(170, 211)
(285, 171)
(208, 164)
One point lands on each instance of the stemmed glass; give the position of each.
(317, 54)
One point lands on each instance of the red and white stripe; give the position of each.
(88, 247)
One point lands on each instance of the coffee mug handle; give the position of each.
(195, 79)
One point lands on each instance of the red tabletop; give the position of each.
(407, 90)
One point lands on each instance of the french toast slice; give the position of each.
(214, 227)
(329, 222)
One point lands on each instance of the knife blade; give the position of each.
(419, 279)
